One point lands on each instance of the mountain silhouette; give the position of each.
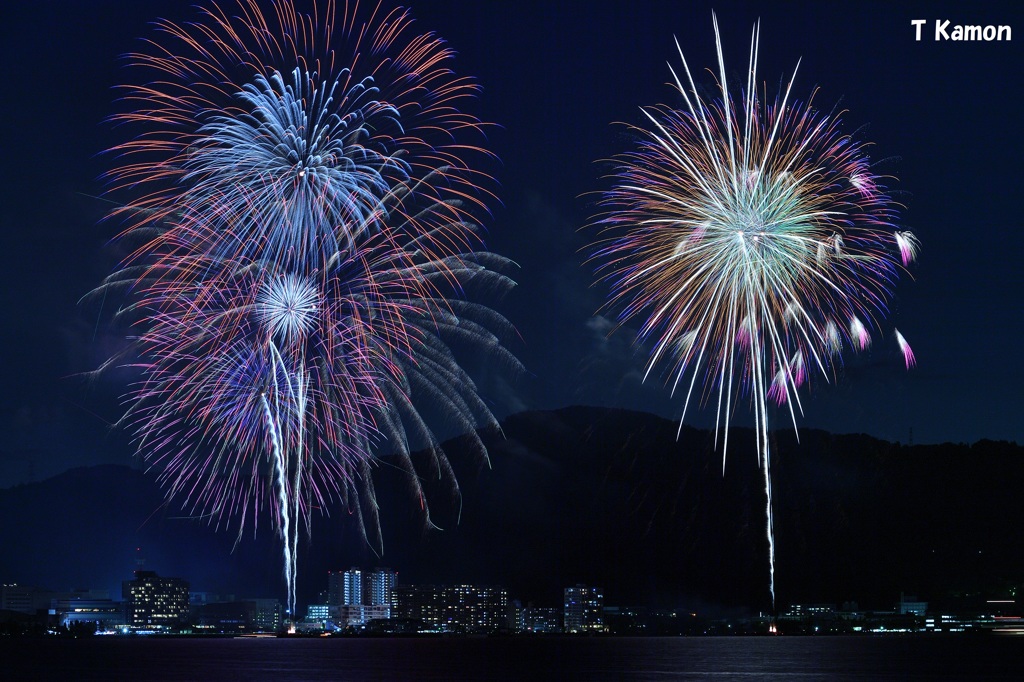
(584, 495)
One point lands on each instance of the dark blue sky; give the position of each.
(555, 77)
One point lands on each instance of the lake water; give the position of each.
(531, 659)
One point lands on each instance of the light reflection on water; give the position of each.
(531, 659)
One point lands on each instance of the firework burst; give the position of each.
(287, 306)
(283, 130)
(751, 240)
(305, 249)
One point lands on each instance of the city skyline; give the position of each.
(162, 605)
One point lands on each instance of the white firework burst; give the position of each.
(287, 305)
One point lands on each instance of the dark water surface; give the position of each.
(531, 659)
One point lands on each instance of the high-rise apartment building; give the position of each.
(336, 587)
(583, 609)
(379, 590)
(357, 596)
(352, 589)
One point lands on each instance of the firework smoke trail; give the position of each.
(750, 238)
(304, 255)
(282, 499)
(288, 497)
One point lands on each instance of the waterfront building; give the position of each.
(542, 619)
(267, 615)
(106, 614)
(911, 605)
(458, 608)
(155, 603)
(809, 611)
(318, 613)
(235, 617)
(357, 596)
(583, 609)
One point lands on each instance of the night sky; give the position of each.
(944, 119)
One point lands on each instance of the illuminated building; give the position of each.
(267, 615)
(352, 587)
(910, 605)
(379, 588)
(516, 616)
(224, 617)
(228, 615)
(542, 619)
(583, 609)
(459, 608)
(358, 596)
(808, 611)
(155, 603)
(318, 612)
(106, 614)
(336, 587)
(67, 608)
